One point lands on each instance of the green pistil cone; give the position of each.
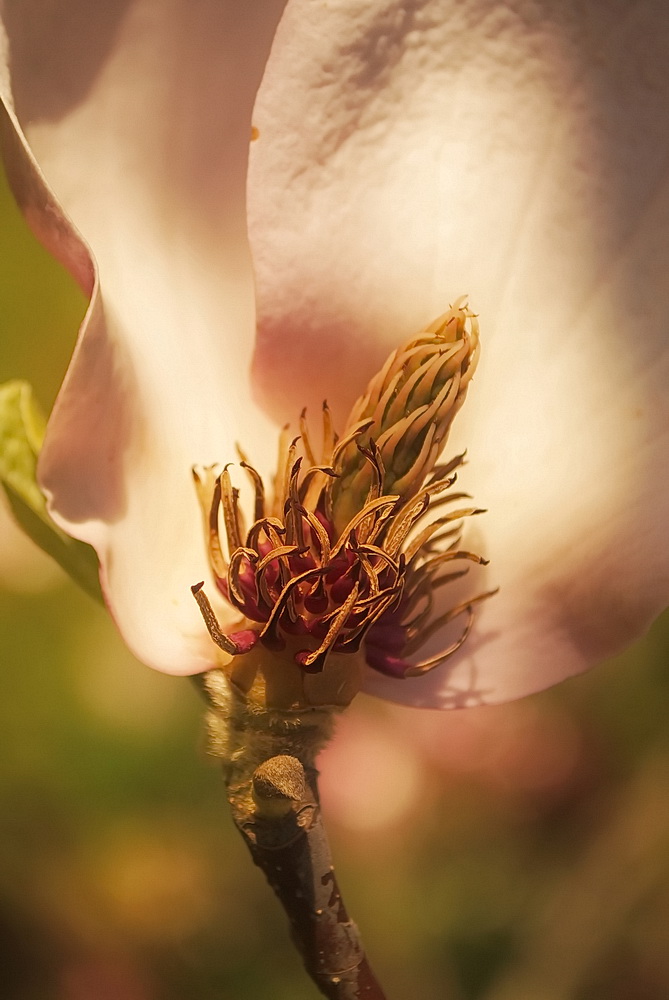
(411, 404)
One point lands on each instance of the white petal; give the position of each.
(518, 153)
(139, 115)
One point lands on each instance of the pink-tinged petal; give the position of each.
(517, 152)
(139, 116)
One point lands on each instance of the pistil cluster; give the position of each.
(349, 550)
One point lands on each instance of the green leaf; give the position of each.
(22, 426)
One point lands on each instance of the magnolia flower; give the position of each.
(404, 155)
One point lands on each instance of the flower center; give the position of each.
(350, 552)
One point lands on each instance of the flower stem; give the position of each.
(268, 755)
(292, 850)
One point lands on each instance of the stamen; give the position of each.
(306, 441)
(403, 522)
(424, 536)
(209, 495)
(444, 619)
(442, 472)
(316, 660)
(256, 479)
(287, 474)
(418, 669)
(443, 557)
(271, 527)
(236, 594)
(383, 507)
(270, 635)
(315, 483)
(320, 533)
(281, 462)
(329, 436)
(230, 499)
(375, 550)
(277, 554)
(211, 621)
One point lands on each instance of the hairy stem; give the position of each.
(268, 757)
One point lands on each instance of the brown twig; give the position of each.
(293, 851)
(268, 757)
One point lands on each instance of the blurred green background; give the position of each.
(504, 853)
